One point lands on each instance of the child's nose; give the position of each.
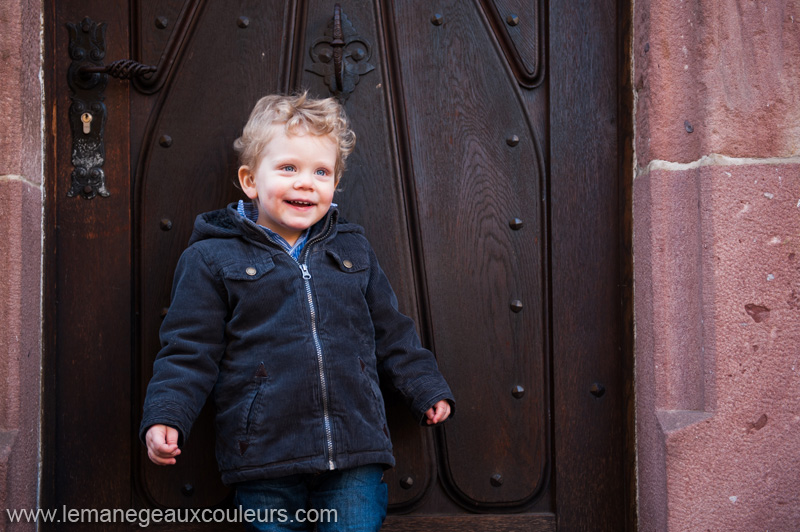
(304, 180)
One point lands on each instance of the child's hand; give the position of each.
(162, 444)
(438, 412)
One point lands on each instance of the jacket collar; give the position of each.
(325, 228)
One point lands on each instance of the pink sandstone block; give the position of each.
(727, 71)
(21, 94)
(675, 271)
(731, 464)
(20, 343)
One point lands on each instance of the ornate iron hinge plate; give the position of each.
(341, 56)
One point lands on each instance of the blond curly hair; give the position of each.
(299, 114)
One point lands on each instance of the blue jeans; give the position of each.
(352, 500)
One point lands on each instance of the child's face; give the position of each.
(293, 183)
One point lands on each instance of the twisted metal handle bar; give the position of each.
(121, 69)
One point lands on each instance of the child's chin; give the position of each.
(304, 222)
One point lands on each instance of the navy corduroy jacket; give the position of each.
(290, 349)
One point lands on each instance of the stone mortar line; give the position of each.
(714, 159)
(14, 177)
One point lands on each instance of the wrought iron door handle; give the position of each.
(120, 69)
(87, 78)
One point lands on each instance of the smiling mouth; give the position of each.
(298, 203)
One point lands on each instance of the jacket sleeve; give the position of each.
(192, 344)
(411, 368)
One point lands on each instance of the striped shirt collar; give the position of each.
(250, 212)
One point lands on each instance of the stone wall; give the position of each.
(21, 195)
(717, 264)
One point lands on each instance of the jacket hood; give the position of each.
(214, 224)
(227, 223)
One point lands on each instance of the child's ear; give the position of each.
(248, 182)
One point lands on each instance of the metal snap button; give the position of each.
(250, 271)
(347, 264)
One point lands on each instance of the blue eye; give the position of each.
(289, 168)
(322, 172)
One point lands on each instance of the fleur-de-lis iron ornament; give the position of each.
(341, 56)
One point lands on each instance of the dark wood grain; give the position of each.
(435, 184)
(150, 38)
(91, 288)
(476, 523)
(470, 184)
(625, 156)
(588, 327)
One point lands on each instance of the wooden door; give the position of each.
(492, 202)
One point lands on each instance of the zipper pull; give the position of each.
(306, 273)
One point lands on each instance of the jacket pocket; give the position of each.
(248, 270)
(374, 396)
(349, 270)
(349, 263)
(254, 406)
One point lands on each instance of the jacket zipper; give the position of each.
(318, 346)
(326, 417)
(320, 364)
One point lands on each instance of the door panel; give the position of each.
(486, 300)
(451, 179)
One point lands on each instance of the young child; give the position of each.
(282, 311)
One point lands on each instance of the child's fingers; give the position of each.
(442, 411)
(162, 444)
(430, 414)
(438, 412)
(163, 454)
(172, 437)
(158, 459)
